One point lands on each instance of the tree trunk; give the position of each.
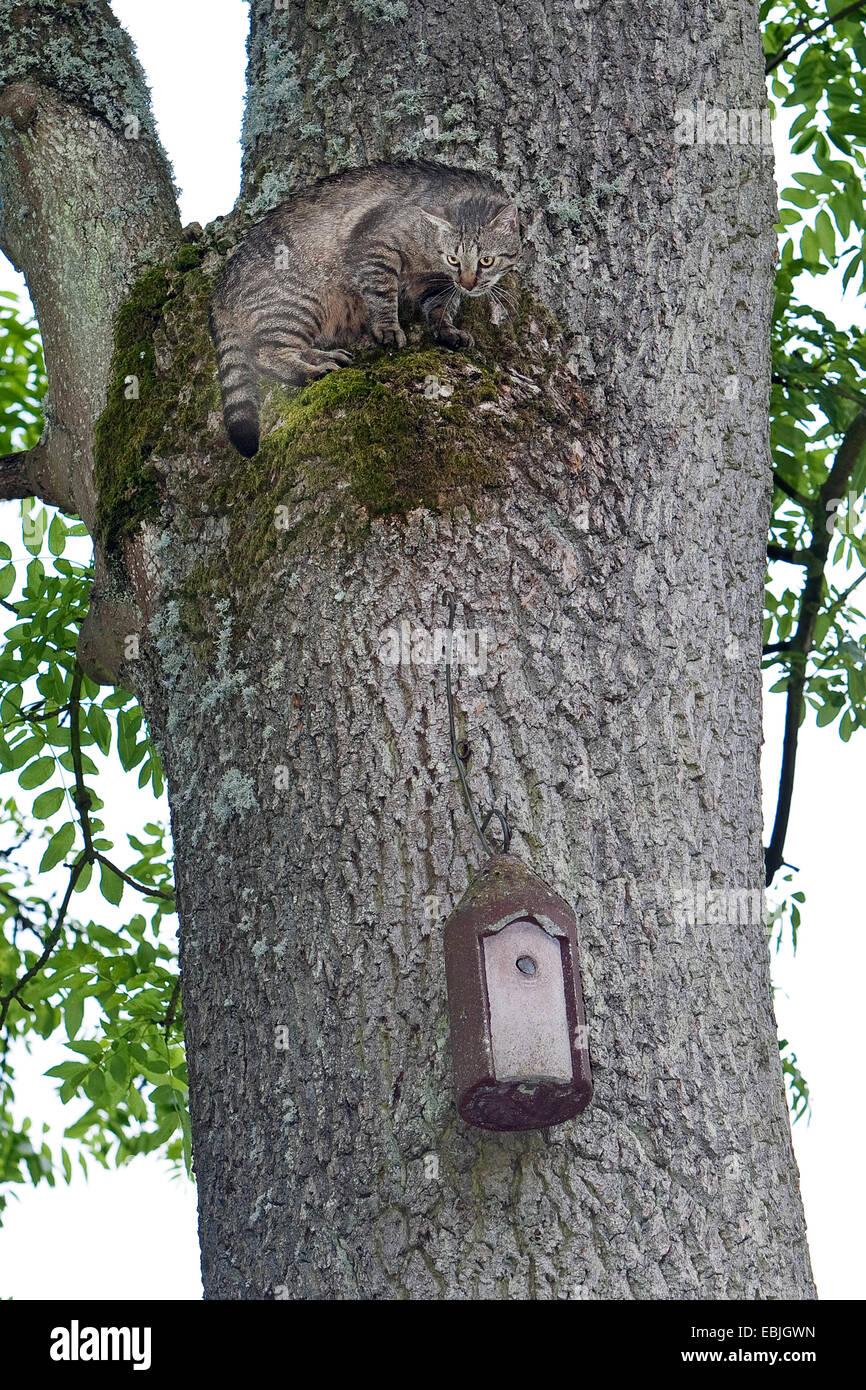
(598, 501)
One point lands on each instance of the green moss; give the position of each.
(422, 427)
(406, 429)
(162, 391)
(188, 257)
(127, 428)
(385, 428)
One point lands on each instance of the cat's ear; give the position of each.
(438, 222)
(505, 219)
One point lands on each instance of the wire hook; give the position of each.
(462, 752)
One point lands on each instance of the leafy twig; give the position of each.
(89, 855)
(803, 639)
(776, 58)
(164, 893)
(51, 942)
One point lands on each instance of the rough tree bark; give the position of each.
(609, 539)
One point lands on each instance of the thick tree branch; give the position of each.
(801, 644)
(78, 156)
(788, 556)
(15, 476)
(36, 473)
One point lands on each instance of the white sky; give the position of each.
(131, 1234)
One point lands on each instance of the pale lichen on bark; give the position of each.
(78, 48)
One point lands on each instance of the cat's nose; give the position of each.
(468, 279)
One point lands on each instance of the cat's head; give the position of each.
(478, 246)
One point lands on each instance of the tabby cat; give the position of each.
(326, 270)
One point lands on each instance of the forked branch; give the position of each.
(799, 648)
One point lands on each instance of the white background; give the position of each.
(131, 1234)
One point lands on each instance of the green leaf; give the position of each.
(73, 1014)
(34, 529)
(110, 885)
(58, 847)
(100, 726)
(36, 773)
(68, 1071)
(851, 270)
(129, 751)
(83, 880)
(826, 714)
(119, 1066)
(47, 803)
(826, 235)
(809, 248)
(87, 764)
(56, 536)
(94, 1086)
(799, 197)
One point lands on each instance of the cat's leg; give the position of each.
(329, 358)
(438, 308)
(377, 279)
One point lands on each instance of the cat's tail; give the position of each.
(239, 384)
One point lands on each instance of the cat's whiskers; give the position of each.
(505, 292)
(451, 303)
(502, 300)
(437, 299)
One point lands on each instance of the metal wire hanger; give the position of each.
(462, 752)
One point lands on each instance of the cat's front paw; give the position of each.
(389, 335)
(455, 338)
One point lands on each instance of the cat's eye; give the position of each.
(486, 260)
(453, 260)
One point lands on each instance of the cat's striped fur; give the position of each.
(325, 270)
